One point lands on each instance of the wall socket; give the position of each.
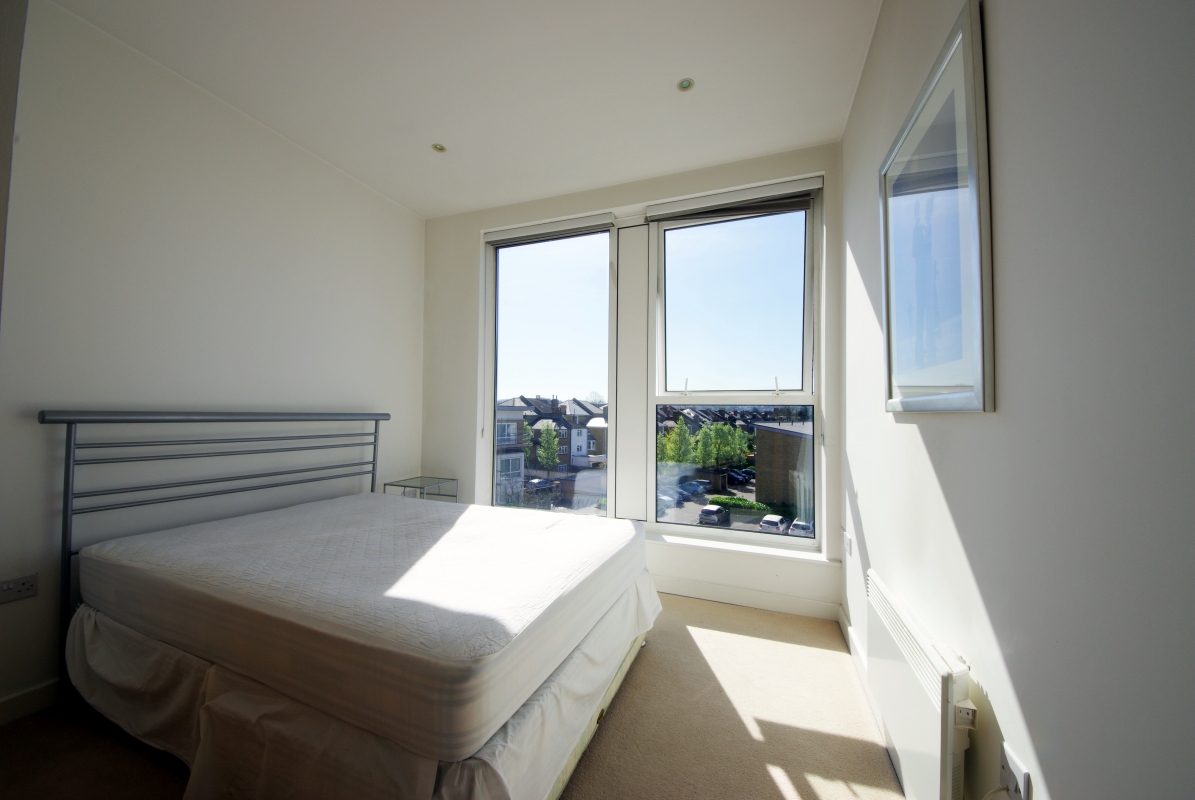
(1014, 777)
(18, 588)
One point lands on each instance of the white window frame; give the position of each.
(814, 343)
(809, 394)
(491, 241)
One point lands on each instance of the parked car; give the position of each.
(535, 484)
(713, 515)
(750, 473)
(693, 487)
(774, 523)
(802, 529)
(736, 477)
(703, 483)
(680, 493)
(663, 503)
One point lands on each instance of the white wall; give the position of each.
(166, 251)
(451, 361)
(1049, 542)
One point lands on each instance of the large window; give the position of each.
(552, 302)
(734, 408)
(702, 411)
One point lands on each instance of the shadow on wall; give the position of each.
(852, 501)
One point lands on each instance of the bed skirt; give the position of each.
(243, 739)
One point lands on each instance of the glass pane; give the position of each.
(747, 468)
(551, 372)
(734, 304)
(931, 269)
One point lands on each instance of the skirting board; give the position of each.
(752, 598)
(858, 657)
(28, 701)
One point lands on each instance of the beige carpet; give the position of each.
(732, 702)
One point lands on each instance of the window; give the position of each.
(734, 407)
(715, 365)
(747, 468)
(532, 358)
(507, 432)
(734, 304)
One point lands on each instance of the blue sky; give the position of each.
(553, 318)
(735, 303)
(735, 316)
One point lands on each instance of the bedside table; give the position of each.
(423, 486)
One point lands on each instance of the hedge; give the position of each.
(737, 502)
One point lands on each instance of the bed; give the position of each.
(368, 645)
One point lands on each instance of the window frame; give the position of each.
(659, 279)
(808, 395)
(491, 242)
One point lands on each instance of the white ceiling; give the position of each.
(533, 98)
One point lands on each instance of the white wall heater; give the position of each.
(921, 690)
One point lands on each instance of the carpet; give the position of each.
(733, 702)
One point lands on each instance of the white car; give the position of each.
(802, 529)
(774, 523)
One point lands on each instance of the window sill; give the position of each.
(730, 545)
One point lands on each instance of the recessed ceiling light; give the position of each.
(684, 84)
(439, 148)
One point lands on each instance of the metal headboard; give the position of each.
(73, 419)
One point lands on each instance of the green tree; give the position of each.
(741, 446)
(661, 447)
(703, 452)
(549, 447)
(528, 442)
(718, 446)
(679, 446)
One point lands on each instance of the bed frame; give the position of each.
(172, 449)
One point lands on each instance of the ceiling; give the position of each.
(532, 98)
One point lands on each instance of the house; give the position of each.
(296, 207)
(510, 440)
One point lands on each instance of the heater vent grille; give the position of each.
(911, 645)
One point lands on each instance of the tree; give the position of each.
(741, 446)
(718, 446)
(704, 451)
(549, 447)
(528, 443)
(661, 447)
(596, 398)
(679, 446)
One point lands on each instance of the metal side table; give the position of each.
(423, 485)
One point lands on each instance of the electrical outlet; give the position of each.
(18, 588)
(1014, 776)
(965, 715)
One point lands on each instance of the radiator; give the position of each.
(921, 690)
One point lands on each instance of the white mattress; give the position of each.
(427, 623)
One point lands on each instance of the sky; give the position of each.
(734, 318)
(734, 296)
(553, 318)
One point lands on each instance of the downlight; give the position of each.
(439, 148)
(684, 84)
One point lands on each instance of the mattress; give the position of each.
(235, 733)
(426, 623)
